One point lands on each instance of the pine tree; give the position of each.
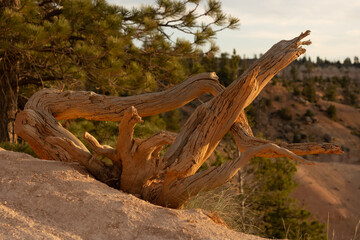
(224, 72)
(309, 90)
(331, 92)
(278, 215)
(95, 46)
(235, 62)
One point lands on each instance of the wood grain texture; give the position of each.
(137, 166)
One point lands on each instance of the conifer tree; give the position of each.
(235, 62)
(278, 215)
(96, 46)
(224, 72)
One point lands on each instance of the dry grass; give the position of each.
(356, 230)
(225, 203)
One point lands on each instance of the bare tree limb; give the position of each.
(104, 150)
(138, 168)
(93, 106)
(184, 188)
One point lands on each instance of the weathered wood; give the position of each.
(210, 122)
(184, 188)
(37, 123)
(245, 140)
(92, 106)
(137, 167)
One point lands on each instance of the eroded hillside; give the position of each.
(278, 114)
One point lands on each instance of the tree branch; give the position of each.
(171, 179)
(103, 150)
(207, 125)
(181, 190)
(125, 142)
(154, 144)
(245, 140)
(93, 106)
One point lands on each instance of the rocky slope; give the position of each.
(53, 200)
(330, 189)
(271, 124)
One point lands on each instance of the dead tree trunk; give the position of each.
(137, 167)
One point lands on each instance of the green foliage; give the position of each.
(264, 103)
(235, 62)
(331, 112)
(347, 61)
(268, 189)
(108, 49)
(296, 91)
(350, 97)
(172, 120)
(356, 61)
(294, 72)
(331, 92)
(250, 115)
(203, 167)
(309, 90)
(227, 68)
(225, 76)
(285, 114)
(150, 126)
(220, 159)
(264, 206)
(309, 113)
(107, 132)
(344, 82)
(18, 147)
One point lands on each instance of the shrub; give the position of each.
(296, 91)
(250, 115)
(285, 114)
(264, 206)
(220, 159)
(309, 91)
(331, 92)
(309, 113)
(18, 147)
(331, 112)
(327, 138)
(172, 120)
(280, 216)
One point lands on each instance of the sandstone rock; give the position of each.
(54, 200)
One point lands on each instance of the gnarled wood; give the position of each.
(92, 106)
(38, 120)
(137, 166)
(245, 140)
(214, 177)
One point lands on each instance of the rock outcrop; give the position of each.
(42, 199)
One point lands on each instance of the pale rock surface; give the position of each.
(42, 199)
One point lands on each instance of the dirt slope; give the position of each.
(331, 191)
(270, 125)
(53, 200)
(331, 187)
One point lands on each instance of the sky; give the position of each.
(334, 25)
